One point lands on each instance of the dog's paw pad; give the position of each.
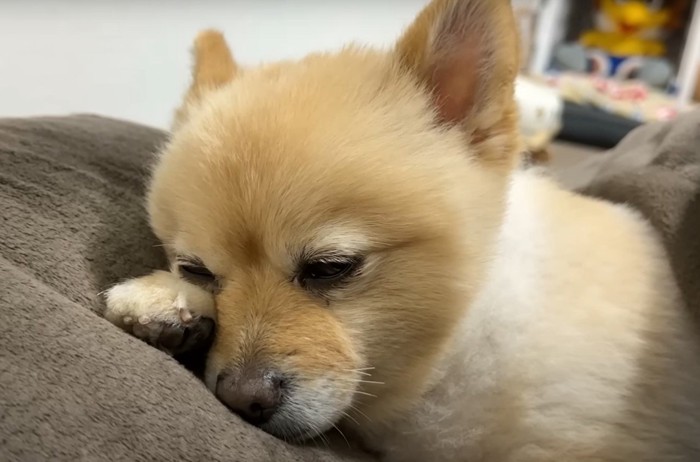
(175, 337)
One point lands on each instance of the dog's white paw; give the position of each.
(164, 311)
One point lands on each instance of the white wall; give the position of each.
(130, 59)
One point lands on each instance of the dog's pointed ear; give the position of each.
(213, 67)
(466, 53)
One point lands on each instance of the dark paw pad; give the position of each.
(176, 337)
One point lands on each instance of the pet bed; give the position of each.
(74, 387)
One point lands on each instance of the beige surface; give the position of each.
(573, 164)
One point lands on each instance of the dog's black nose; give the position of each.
(253, 394)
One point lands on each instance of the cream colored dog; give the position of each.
(355, 225)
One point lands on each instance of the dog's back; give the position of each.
(577, 348)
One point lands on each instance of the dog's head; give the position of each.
(341, 208)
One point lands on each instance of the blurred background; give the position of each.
(591, 71)
(130, 59)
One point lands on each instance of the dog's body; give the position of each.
(580, 313)
(353, 224)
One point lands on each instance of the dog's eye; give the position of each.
(197, 274)
(326, 271)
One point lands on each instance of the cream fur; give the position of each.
(160, 296)
(495, 317)
(575, 348)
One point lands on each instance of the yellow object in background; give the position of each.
(629, 28)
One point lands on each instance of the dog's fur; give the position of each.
(500, 317)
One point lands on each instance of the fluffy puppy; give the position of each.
(353, 224)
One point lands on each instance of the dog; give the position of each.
(357, 229)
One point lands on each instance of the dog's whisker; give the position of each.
(345, 414)
(104, 291)
(341, 434)
(364, 393)
(316, 435)
(323, 437)
(362, 381)
(354, 408)
(366, 374)
(333, 425)
(283, 435)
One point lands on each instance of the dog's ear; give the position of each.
(213, 67)
(466, 53)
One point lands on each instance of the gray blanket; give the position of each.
(656, 170)
(74, 387)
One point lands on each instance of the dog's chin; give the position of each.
(300, 420)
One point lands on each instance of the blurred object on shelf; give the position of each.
(627, 28)
(526, 12)
(589, 125)
(627, 42)
(631, 99)
(540, 110)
